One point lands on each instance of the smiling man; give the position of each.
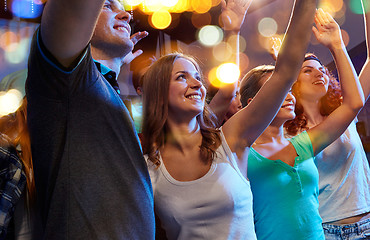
(91, 178)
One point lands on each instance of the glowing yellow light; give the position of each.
(212, 78)
(228, 73)
(210, 35)
(161, 19)
(169, 3)
(133, 2)
(9, 101)
(152, 5)
(215, 2)
(201, 6)
(267, 27)
(331, 6)
(181, 6)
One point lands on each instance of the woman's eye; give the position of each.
(107, 6)
(181, 77)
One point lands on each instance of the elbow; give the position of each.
(358, 105)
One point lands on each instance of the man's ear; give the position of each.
(249, 100)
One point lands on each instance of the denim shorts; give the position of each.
(355, 231)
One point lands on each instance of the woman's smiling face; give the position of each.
(186, 92)
(313, 80)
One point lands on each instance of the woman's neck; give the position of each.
(312, 113)
(184, 136)
(273, 133)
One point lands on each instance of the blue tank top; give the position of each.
(285, 198)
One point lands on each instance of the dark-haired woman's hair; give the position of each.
(14, 127)
(251, 82)
(156, 82)
(327, 104)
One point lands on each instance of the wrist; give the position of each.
(336, 48)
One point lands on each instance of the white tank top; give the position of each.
(344, 185)
(215, 206)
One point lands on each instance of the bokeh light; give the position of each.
(243, 62)
(9, 101)
(7, 40)
(228, 73)
(19, 52)
(341, 13)
(356, 6)
(264, 42)
(222, 52)
(345, 37)
(340, 17)
(210, 35)
(212, 78)
(161, 19)
(215, 2)
(26, 9)
(200, 20)
(132, 2)
(181, 6)
(242, 42)
(202, 6)
(152, 5)
(169, 3)
(331, 6)
(267, 27)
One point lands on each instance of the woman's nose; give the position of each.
(194, 83)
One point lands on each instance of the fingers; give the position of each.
(316, 32)
(319, 17)
(326, 16)
(223, 5)
(138, 36)
(323, 17)
(275, 43)
(137, 53)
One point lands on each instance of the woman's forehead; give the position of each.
(184, 64)
(312, 63)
